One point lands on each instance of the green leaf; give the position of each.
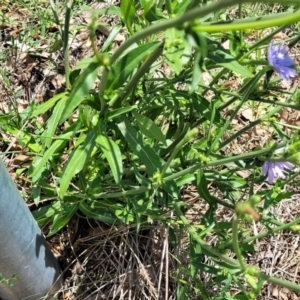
(42, 108)
(202, 188)
(53, 122)
(127, 13)
(36, 194)
(205, 268)
(201, 105)
(77, 161)
(81, 88)
(199, 42)
(63, 218)
(195, 255)
(113, 155)
(197, 71)
(126, 65)
(154, 12)
(146, 4)
(38, 165)
(25, 139)
(273, 197)
(182, 6)
(145, 153)
(85, 62)
(209, 219)
(125, 214)
(119, 111)
(149, 128)
(176, 46)
(46, 213)
(112, 35)
(100, 214)
(228, 61)
(111, 10)
(221, 57)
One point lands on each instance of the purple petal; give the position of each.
(279, 59)
(271, 175)
(270, 52)
(286, 165)
(285, 61)
(265, 168)
(281, 48)
(278, 172)
(275, 170)
(286, 72)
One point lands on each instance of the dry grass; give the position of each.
(119, 263)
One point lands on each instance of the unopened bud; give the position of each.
(252, 281)
(255, 199)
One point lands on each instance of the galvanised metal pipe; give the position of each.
(23, 249)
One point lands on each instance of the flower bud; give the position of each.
(252, 281)
(254, 199)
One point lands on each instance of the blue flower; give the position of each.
(275, 169)
(279, 59)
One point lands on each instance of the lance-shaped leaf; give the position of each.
(81, 88)
(202, 188)
(145, 153)
(61, 219)
(149, 128)
(221, 57)
(113, 155)
(127, 13)
(127, 64)
(53, 122)
(90, 209)
(39, 164)
(77, 161)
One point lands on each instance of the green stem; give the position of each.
(240, 16)
(240, 285)
(287, 125)
(235, 243)
(271, 220)
(169, 7)
(260, 62)
(294, 41)
(105, 195)
(247, 88)
(66, 51)
(212, 252)
(266, 233)
(224, 128)
(190, 170)
(245, 24)
(248, 19)
(222, 161)
(190, 134)
(279, 103)
(281, 282)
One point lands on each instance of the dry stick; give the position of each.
(161, 267)
(167, 264)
